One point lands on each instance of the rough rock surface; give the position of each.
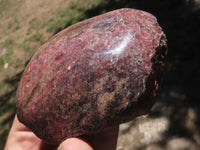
(95, 74)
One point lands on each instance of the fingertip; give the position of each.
(74, 144)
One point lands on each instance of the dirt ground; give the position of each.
(173, 123)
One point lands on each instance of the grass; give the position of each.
(5, 122)
(1, 85)
(1, 61)
(37, 36)
(33, 23)
(8, 53)
(8, 42)
(24, 45)
(14, 22)
(74, 13)
(7, 87)
(3, 6)
(10, 24)
(66, 18)
(6, 57)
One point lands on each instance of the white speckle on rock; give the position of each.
(69, 67)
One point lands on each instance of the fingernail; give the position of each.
(74, 144)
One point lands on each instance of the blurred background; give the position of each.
(173, 123)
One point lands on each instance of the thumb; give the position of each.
(74, 144)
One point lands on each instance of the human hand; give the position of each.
(21, 138)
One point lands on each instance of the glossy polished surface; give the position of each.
(92, 75)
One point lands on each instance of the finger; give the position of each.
(21, 138)
(74, 144)
(18, 126)
(104, 140)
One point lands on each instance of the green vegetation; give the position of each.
(8, 42)
(10, 24)
(6, 57)
(74, 13)
(1, 61)
(37, 36)
(7, 87)
(24, 45)
(8, 53)
(7, 111)
(33, 24)
(3, 6)
(15, 23)
(16, 20)
(17, 27)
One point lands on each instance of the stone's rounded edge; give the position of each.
(90, 129)
(154, 81)
(153, 84)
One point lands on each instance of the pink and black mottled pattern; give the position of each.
(95, 74)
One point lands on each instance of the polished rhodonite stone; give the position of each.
(93, 75)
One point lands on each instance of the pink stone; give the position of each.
(93, 75)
